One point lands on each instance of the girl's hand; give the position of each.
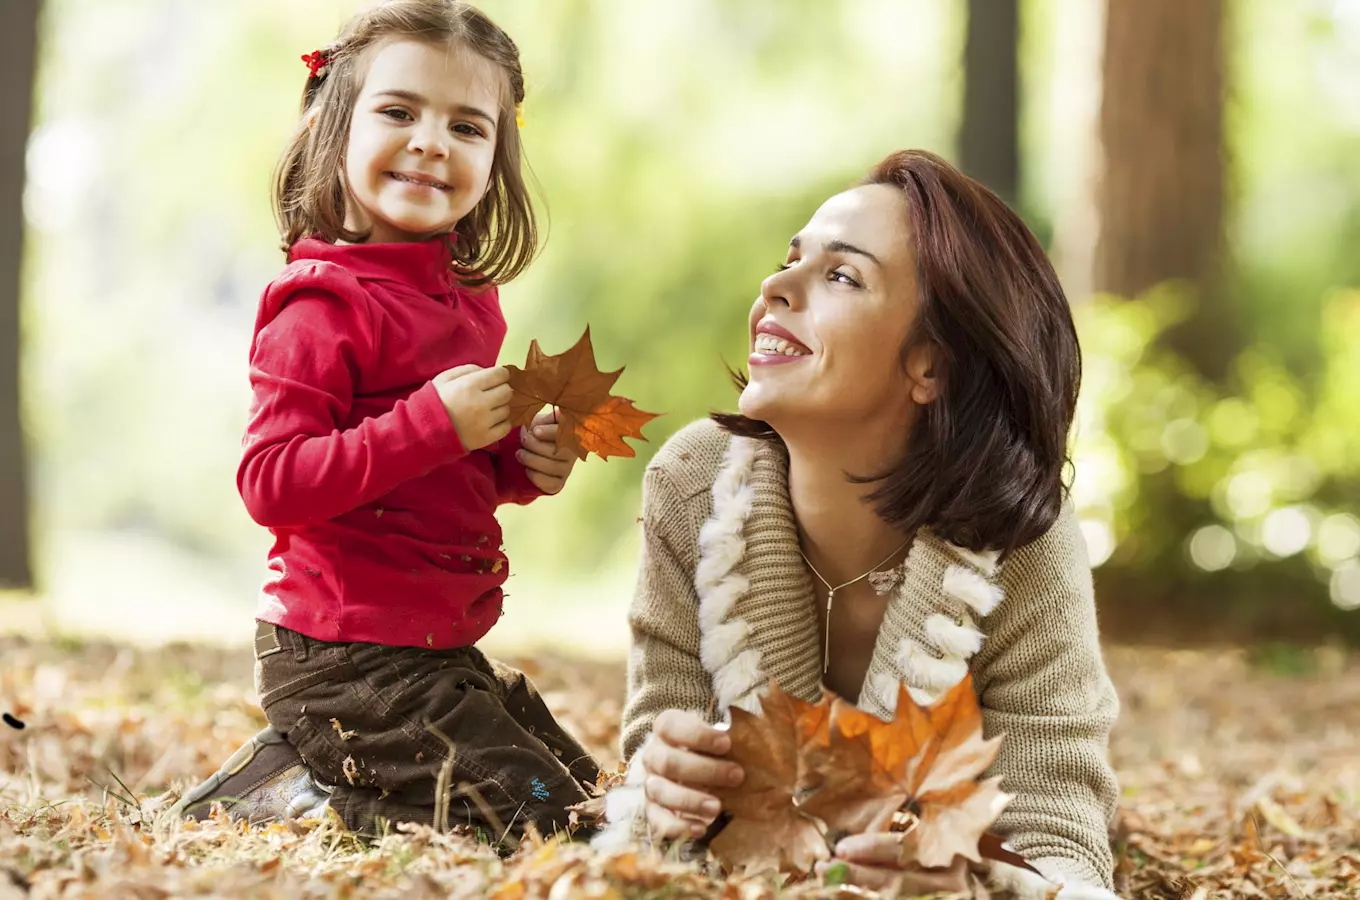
(681, 762)
(547, 468)
(874, 860)
(478, 403)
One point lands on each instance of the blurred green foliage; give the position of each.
(678, 147)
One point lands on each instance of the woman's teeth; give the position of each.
(768, 343)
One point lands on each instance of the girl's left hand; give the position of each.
(874, 861)
(547, 468)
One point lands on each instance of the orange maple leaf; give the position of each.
(816, 770)
(589, 418)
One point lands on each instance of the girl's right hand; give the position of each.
(683, 760)
(478, 403)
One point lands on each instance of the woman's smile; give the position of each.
(775, 345)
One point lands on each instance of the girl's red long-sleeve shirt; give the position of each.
(384, 525)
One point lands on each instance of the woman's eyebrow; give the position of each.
(838, 247)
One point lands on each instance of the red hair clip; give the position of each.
(316, 61)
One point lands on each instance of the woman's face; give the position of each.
(828, 329)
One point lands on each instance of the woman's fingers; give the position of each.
(665, 824)
(872, 861)
(689, 731)
(881, 848)
(686, 767)
(871, 877)
(681, 799)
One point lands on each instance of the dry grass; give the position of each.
(1241, 778)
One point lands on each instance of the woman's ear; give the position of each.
(923, 372)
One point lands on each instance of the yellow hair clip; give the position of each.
(519, 115)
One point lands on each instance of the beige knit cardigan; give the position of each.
(724, 603)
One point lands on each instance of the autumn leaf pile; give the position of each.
(818, 771)
(1239, 778)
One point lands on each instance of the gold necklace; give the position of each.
(831, 594)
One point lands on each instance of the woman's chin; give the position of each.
(759, 403)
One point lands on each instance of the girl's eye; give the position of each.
(782, 267)
(845, 279)
(397, 113)
(468, 130)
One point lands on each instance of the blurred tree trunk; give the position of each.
(1161, 196)
(18, 61)
(989, 138)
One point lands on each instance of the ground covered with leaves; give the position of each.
(1240, 772)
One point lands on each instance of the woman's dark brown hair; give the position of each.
(985, 461)
(494, 242)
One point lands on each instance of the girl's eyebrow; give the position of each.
(419, 100)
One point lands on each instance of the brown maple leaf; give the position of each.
(815, 770)
(767, 829)
(589, 418)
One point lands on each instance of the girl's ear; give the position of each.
(923, 371)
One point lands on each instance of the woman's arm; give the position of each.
(674, 755)
(1042, 682)
(664, 671)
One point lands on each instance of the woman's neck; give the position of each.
(842, 534)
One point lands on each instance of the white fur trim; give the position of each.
(984, 562)
(922, 670)
(722, 546)
(1022, 884)
(722, 643)
(884, 687)
(952, 638)
(1072, 888)
(922, 698)
(624, 806)
(749, 701)
(736, 677)
(971, 588)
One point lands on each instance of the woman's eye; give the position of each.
(845, 279)
(781, 267)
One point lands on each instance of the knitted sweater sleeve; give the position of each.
(1042, 682)
(664, 671)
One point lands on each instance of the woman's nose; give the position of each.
(775, 290)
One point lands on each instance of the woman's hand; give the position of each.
(874, 861)
(682, 761)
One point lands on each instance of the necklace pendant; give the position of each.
(826, 650)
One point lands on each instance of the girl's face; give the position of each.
(828, 329)
(421, 141)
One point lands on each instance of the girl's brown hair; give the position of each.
(985, 461)
(495, 241)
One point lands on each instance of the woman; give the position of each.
(888, 506)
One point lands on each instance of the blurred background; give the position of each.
(1192, 167)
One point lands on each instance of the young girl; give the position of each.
(378, 446)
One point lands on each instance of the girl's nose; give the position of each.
(429, 140)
